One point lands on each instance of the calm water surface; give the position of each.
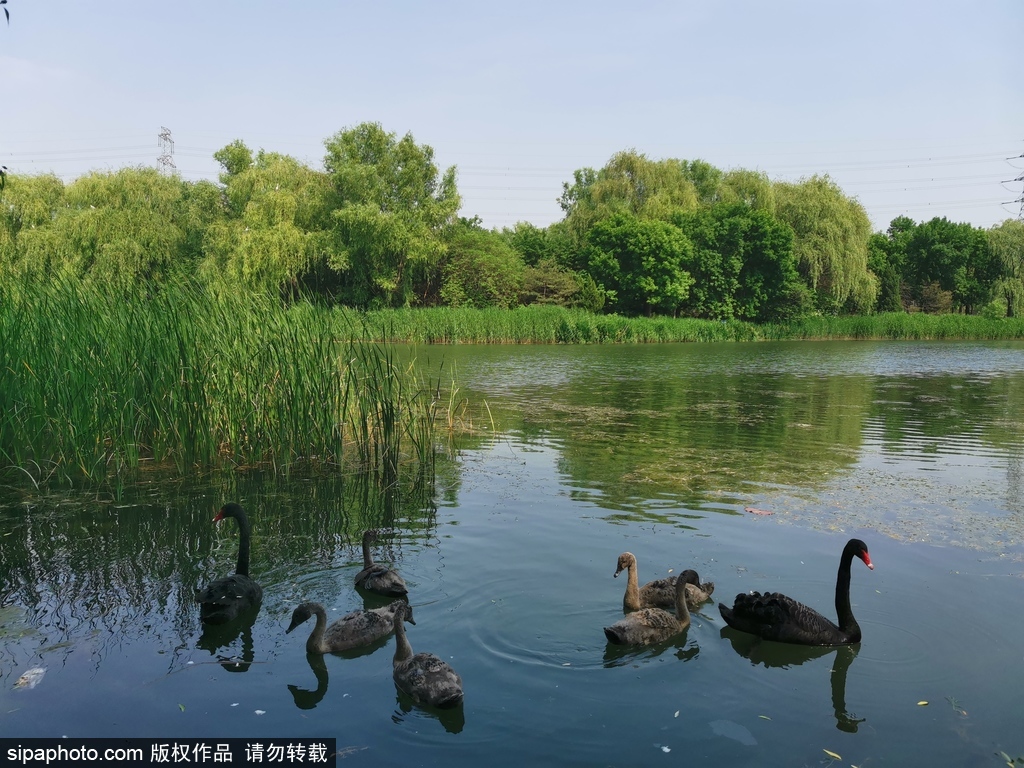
(579, 454)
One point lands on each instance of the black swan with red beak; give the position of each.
(774, 616)
(229, 596)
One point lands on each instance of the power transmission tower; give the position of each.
(166, 158)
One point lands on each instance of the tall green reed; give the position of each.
(98, 384)
(538, 324)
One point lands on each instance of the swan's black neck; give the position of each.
(244, 532)
(844, 611)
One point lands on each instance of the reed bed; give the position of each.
(95, 385)
(538, 324)
(557, 325)
(899, 326)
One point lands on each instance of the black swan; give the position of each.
(426, 678)
(376, 577)
(651, 625)
(227, 597)
(774, 616)
(662, 592)
(350, 631)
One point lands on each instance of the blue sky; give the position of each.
(911, 107)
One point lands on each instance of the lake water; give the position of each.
(578, 454)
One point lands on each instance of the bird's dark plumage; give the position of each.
(423, 676)
(228, 597)
(652, 625)
(376, 577)
(352, 630)
(774, 616)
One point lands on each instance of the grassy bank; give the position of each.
(96, 385)
(537, 324)
(555, 325)
(899, 326)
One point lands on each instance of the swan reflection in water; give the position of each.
(305, 698)
(452, 720)
(683, 647)
(784, 655)
(217, 636)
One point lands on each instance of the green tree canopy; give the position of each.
(116, 228)
(553, 243)
(830, 241)
(881, 262)
(31, 204)
(752, 188)
(631, 183)
(887, 260)
(481, 269)
(899, 232)
(639, 264)
(279, 232)
(235, 158)
(706, 180)
(1007, 243)
(547, 283)
(394, 208)
(742, 264)
(955, 257)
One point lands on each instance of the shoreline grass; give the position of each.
(556, 325)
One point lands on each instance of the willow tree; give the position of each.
(111, 228)
(394, 208)
(706, 180)
(30, 206)
(630, 183)
(830, 242)
(752, 188)
(279, 233)
(1007, 243)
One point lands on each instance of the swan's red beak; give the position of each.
(219, 517)
(867, 560)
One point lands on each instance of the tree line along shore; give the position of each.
(377, 227)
